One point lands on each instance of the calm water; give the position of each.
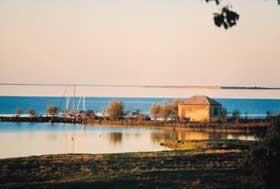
(25, 139)
(251, 107)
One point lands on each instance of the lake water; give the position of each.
(250, 107)
(26, 139)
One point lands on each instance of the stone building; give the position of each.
(200, 109)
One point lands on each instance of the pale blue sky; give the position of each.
(153, 42)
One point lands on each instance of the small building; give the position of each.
(200, 109)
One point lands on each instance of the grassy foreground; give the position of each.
(169, 169)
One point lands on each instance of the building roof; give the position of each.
(200, 100)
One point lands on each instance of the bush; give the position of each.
(19, 111)
(263, 160)
(52, 110)
(31, 112)
(115, 110)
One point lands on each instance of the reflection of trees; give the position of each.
(158, 137)
(115, 138)
(137, 135)
(163, 136)
(217, 135)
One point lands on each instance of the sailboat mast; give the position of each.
(84, 103)
(74, 97)
(79, 102)
(67, 103)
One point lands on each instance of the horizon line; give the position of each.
(214, 87)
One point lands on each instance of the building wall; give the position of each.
(196, 113)
(216, 112)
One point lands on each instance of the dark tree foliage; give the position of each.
(217, 1)
(263, 160)
(52, 110)
(227, 17)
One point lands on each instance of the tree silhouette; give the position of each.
(227, 17)
(31, 112)
(217, 1)
(52, 110)
(19, 111)
(263, 159)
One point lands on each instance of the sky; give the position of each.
(138, 42)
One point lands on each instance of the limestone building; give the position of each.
(200, 109)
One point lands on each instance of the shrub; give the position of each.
(19, 111)
(263, 160)
(52, 110)
(115, 110)
(31, 112)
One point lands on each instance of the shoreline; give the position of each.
(250, 127)
(182, 128)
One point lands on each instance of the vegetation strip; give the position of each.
(149, 169)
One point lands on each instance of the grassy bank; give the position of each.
(173, 169)
(222, 145)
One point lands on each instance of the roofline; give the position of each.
(202, 104)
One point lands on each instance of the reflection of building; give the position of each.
(192, 135)
(200, 108)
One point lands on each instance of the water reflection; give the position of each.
(27, 139)
(197, 135)
(115, 138)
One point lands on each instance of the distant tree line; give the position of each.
(166, 111)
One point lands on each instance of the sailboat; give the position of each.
(75, 107)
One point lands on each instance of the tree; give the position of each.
(155, 111)
(137, 111)
(84, 117)
(140, 116)
(227, 17)
(31, 112)
(246, 116)
(263, 160)
(236, 115)
(224, 114)
(19, 111)
(115, 109)
(52, 110)
(91, 115)
(128, 113)
(174, 108)
(165, 111)
(268, 114)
